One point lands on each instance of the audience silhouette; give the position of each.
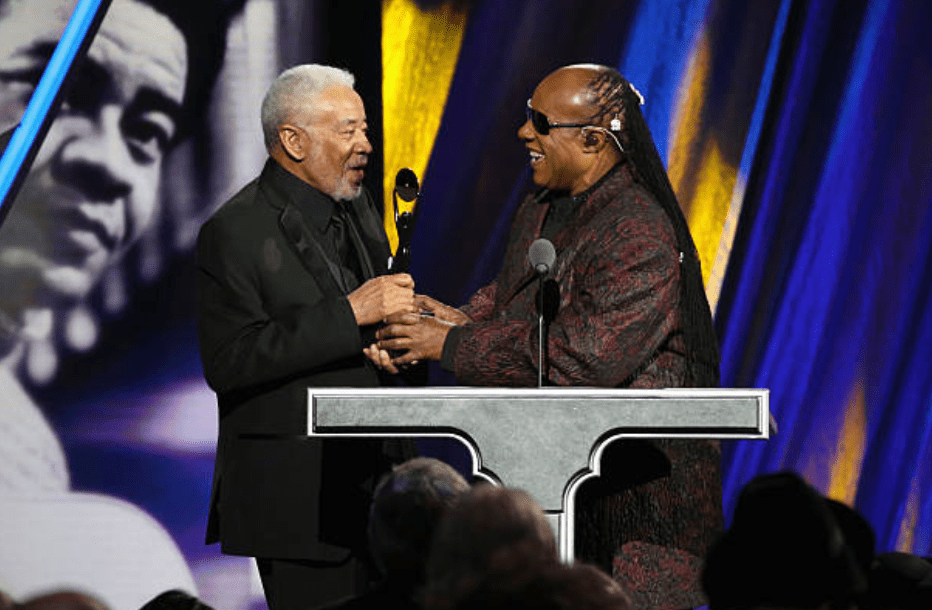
(442, 544)
(406, 506)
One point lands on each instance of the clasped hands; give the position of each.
(411, 336)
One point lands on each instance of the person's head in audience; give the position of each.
(548, 586)
(63, 600)
(492, 532)
(406, 507)
(784, 550)
(899, 581)
(175, 599)
(93, 187)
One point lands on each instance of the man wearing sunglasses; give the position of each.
(632, 313)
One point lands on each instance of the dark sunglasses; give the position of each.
(542, 124)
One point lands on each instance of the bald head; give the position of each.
(571, 88)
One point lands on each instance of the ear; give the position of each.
(593, 140)
(293, 141)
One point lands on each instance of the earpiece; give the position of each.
(591, 140)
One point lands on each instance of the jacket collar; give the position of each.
(593, 199)
(315, 206)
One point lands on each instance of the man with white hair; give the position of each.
(290, 285)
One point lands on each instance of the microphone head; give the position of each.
(541, 255)
(406, 185)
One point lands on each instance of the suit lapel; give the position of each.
(312, 256)
(362, 251)
(375, 252)
(369, 240)
(522, 275)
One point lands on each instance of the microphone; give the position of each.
(541, 255)
(408, 189)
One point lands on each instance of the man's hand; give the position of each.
(444, 313)
(380, 358)
(382, 297)
(419, 337)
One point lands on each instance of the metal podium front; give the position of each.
(545, 441)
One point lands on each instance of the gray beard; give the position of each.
(343, 192)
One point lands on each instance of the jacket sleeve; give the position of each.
(246, 340)
(617, 306)
(480, 305)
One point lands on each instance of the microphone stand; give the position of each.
(541, 334)
(541, 256)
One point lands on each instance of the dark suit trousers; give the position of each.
(303, 585)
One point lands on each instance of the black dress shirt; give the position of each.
(333, 223)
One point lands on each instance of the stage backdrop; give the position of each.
(796, 136)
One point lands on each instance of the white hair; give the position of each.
(293, 89)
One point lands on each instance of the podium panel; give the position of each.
(546, 441)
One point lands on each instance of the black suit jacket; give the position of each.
(274, 320)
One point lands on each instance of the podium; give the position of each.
(546, 441)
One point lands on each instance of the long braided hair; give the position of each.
(614, 98)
